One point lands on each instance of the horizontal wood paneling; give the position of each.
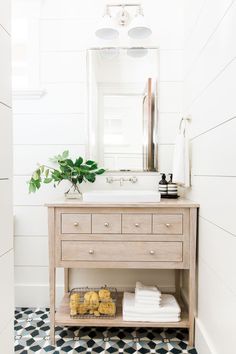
(35, 295)
(31, 251)
(170, 97)
(50, 129)
(7, 296)
(28, 275)
(168, 124)
(5, 142)
(59, 98)
(216, 105)
(5, 67)
(64, 34)
(63, 66)
(6, 218)
(171, 65)
(7, 338)
(216, 305)
(223, 51)
(165, 161)
(212, 13)
(192, 11)
(218, 147)
(46, 193)
(71, 8)
(209, 87)
(26, 157)
(5, 18)
(36, 226)
(221, 257)
(217, 197)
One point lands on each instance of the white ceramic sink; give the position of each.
(127, 196)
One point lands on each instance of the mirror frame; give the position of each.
(152, 148)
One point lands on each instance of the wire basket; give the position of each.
(88, 302)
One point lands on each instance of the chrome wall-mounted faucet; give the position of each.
(132, 180)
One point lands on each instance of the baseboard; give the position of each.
(203, 343)
(37, 295)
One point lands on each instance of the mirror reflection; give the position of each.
(122, 84)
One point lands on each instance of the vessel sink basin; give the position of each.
(127, 196)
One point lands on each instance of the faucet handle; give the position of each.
(109, 180)
(133, 179)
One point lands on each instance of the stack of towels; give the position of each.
(150, 305)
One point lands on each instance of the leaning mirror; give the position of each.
(122, 93)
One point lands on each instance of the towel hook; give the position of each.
(184, 119)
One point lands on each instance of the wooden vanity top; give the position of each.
(164, 203)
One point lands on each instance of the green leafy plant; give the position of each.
(75, 172)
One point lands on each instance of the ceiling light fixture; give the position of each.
(138, 29)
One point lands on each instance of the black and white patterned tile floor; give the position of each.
(32, 336)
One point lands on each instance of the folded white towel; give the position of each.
(151, 315)
(150, 299)
(147, 291)
(168, 306)
(143, 318)
(147, 303)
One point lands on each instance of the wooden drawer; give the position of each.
(106, 223)
(136, 223)
(168, 224)
(75, 223)
(122, 251)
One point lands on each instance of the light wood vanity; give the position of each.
(142, 236)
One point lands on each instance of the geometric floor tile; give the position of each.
(32, 336)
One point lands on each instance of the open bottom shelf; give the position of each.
(62, 318)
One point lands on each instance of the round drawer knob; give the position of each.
(167, 225)
(76, 224)
(137, 225)
(106, 224)
(152, 252)
(91, 251)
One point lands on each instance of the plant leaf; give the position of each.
(100, 171)
(90, 162)
(48, 180)
(78, 161)
(90, 177)
(65, 154)
(35, 175)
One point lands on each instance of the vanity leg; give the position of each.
(52, 273)
(66, 280)
(52, 304)
(192, 274)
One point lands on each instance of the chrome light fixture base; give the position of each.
(138, 28)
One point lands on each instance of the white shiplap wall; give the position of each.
(58, 120)
(6, 218)
(209, 96)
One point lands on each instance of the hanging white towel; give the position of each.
(181, 168)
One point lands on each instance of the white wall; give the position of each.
(58, 120)
(209, 96)
(6, 219)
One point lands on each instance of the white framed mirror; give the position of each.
(122, 103)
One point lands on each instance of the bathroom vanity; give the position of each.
(126, 235)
